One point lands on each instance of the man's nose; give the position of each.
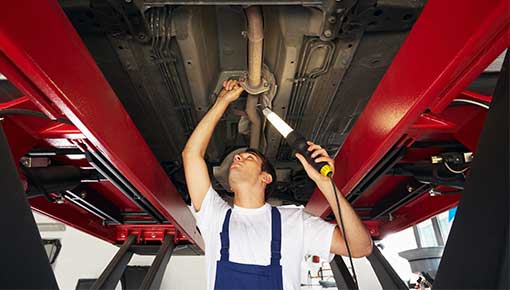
(237, 157)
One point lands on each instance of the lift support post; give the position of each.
(385, 273)
(343, 277)
(24, 262)
(115, 269)
(476, 254)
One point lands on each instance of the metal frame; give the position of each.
(425, 74)
(155, 274)
(343, 277)
(113, 273)
(481, 226)
(76, 88)
(424, 78)
(24, 261)
(386, 275)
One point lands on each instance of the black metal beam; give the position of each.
(384, 165)
(436, 174)
(386, 275)
(24, 263)
(476, 253)
(417, 236)
(446, 144)
(343, 277)
(103, 166)
(437, 231)
(95, 209)
(113, 272)
(133, 277)
(155, 274)
(403, 195)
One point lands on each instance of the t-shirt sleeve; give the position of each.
(318, 235)
(213, 208)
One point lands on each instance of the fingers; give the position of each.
(230, 84)
(312, 146)
(323, 159)
(238, 89)
(317, 150)
(303, 161)
(310, 171)
(328, 160)
(321, 152)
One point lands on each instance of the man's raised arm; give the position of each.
(360, 242)
(195, 168)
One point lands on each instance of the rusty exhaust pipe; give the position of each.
(255, 47)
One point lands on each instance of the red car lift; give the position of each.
(450, 44)
(62, 80)
(448, 47)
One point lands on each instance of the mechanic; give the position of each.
(254, 245)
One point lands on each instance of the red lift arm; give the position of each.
(450, 44)
(42, 54)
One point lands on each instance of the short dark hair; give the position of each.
(266, 167)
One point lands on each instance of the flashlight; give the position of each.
(296, 141)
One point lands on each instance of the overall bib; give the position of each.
(231, 275)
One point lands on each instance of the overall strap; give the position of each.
(225, 242)
(276, 236)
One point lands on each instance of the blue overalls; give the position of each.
(231, 275)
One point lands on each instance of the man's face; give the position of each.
(246, 166)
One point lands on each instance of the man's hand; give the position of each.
(230, 92)
(319, 155)
(359, 239)
(195, 168)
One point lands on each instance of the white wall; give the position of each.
(84, 256)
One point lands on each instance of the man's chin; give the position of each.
(235, 173)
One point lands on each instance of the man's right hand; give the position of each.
(230, 92)
(195, 167)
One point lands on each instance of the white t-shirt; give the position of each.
(250, 237)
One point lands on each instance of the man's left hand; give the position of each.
(319, 155)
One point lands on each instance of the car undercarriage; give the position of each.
(99, 131)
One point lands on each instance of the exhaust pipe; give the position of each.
(255, 46)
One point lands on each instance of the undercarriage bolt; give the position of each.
(332, 19)
(266, 84)
(433, 192)
(327, 33)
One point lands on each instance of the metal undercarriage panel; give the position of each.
(165, 63)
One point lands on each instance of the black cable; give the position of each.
(33, 114)
(355, 278)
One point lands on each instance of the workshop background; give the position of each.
(82, 256)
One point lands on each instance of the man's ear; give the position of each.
(267, 178)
